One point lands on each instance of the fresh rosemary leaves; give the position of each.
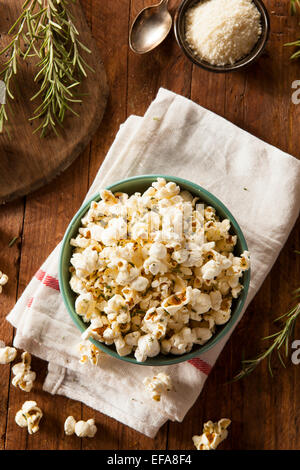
(295, 8)
(294, 5)
(45, 31)
(279, 340)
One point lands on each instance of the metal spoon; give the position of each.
(150, 28)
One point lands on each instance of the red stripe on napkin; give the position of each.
(47, 280)
(30, 302)
(200, 365)
(40, 275)
(52, 282)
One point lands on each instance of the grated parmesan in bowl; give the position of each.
(223, 31)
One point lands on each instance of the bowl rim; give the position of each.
(169, 359)
(244, 62)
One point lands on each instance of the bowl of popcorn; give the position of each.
(154, 270)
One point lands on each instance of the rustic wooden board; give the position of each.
(27, 162)
(264, 411)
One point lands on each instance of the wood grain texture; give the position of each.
(28, 162)
(264, 411)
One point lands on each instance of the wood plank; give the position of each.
(11, 223)
(165, 66)
(270, 115)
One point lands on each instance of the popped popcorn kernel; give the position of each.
(24, 376)
(29, 416)
(80, 428)
(7, 353)
(69, 425)
(158, 385)
(3, 280)
(88, 353)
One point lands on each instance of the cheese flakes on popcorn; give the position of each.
(29, 416)
(158, 385)
(213, 435)
(154, 272)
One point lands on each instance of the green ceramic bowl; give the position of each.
(140, 184)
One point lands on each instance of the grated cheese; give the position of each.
(223, 31)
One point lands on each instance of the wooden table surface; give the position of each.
(264, 411)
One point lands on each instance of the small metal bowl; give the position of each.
(179, 29)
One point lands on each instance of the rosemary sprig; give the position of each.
(295, 8)
(13, 241)
(50, 35)
(279, 339)
(10, 66)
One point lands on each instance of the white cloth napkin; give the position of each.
(258, 183)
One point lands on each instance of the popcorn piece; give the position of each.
(3, 280)
(179, 343)
(29, 416)
(69, 425)
(155, 322)
(215, 299)
(108, 197)
(7, 354)
(140, 284)
(88, 352)
(202, 335)
(180, 256)
(213, 435)
(155, 266)
(132, 339)
(85, 428)
(176, 301)
(201, 303)
(24, 376)
(85, 262)
(123, 348)
(224, 313)
(80, 428)
(147, 347)
(158, 385)
(85, 306)
(158, 251)
(215, 266)
(96, 329)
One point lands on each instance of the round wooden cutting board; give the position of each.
(28, 161)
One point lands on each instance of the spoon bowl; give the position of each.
(150, 28)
